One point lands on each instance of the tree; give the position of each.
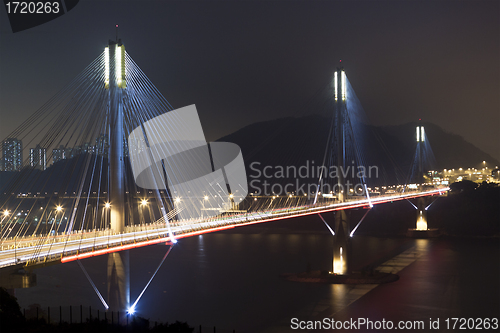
(11, 318)
(464, 185)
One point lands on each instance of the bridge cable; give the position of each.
(93, 285)
(357, 225)
(132, 307)
(329, 228)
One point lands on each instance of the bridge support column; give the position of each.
(421, 215)
(118, 262)
(341, 244)
(341, 240)
(118, 281)
(116, 84)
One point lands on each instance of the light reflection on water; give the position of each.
(233, 280)
(422, 244)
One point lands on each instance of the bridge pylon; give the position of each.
(422, 203)
(421, 224)
(118, 262)
(341, 243)
(341, 240)
(421, 214)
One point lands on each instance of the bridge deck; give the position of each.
(64, 248)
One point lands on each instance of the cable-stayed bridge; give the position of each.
(140, 173)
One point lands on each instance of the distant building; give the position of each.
(137, 146)
(101, 148)
(58, 154)
(86, 147)
(102, 145)
(12, 154)
(73, 152)
(496, 173)
(125, 148)
(38, 157)
(91, 150)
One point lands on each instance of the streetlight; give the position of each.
(6, 213)
(177, 200)
(107, 205)
(59, 208)
(144, 202)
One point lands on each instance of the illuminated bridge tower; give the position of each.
(421, 204)
(118, 262)
(341, 240)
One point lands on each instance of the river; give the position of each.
(231, 280)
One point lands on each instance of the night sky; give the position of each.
(245, 61)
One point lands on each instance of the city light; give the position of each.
(6, 213)
(131, 310)
(107, 205)
(59, 208)
(144, 202)
(177, 200)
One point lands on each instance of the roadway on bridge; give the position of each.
(30, 251)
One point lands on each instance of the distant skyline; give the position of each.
(42, 157)
(244, 62)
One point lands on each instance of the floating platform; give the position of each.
(374, 277)
(429, 233)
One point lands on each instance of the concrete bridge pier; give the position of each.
(421, 224)
(119, 281)
(341, 244)
(422, 229)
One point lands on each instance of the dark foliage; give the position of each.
(12, 320)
